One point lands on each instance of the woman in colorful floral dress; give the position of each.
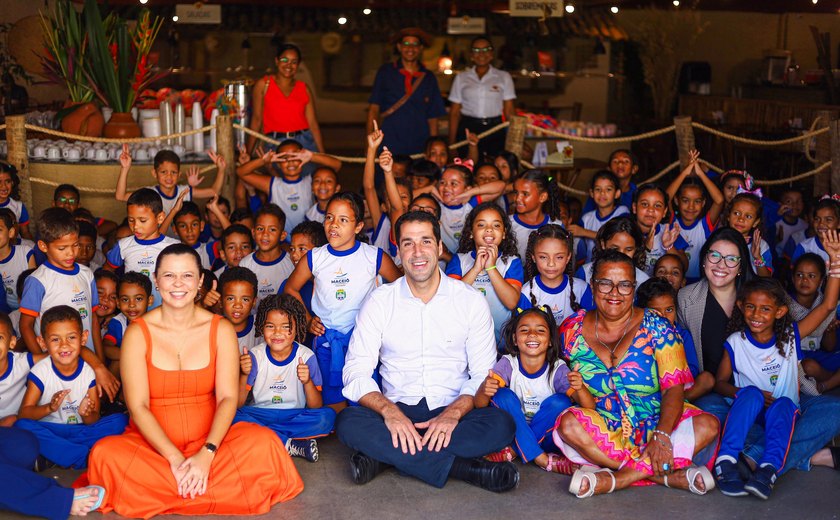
(641, 430)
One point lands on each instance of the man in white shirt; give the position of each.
(479, 97)
(433, 336)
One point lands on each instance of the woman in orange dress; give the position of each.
(180, 454)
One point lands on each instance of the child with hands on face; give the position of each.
(61, 405)
(293, 410)
(744, 216)
(534, 386)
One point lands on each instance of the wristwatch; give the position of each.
(211, 447)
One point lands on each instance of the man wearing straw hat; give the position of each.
(406, 99)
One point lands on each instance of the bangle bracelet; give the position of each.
(490, 268)
(660, 432)
(759, 262)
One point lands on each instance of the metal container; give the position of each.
(238, 91)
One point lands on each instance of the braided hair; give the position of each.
(287, 305)
(546, 184)
(546, 232)
(782, 327)
(552, 355)
(622, 224)
(467, 243)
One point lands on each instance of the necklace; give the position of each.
(612, 350)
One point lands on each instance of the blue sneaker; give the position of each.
(762, 482)
(729, 482)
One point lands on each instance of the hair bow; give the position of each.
(467, 163)
(749, 186)
(832, 197)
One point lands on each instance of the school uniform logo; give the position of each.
(293, 199)
(339, 281)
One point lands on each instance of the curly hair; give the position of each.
(287, 305)
(506, 248)
(782, 327)
(623, 224)
(552, 355)
(545, 184)
(546, 232)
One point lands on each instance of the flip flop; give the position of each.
(100, 497)
(590, 476)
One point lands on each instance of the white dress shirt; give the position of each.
(437, 350)
(482, 98)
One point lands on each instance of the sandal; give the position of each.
(506, 454)
(560, 464)
(691, 476)
(99, 499)
(591, 477)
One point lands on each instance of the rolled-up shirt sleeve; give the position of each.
(481, 346)
(363, 351)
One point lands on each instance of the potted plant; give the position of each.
(118, 65)
(63, 58)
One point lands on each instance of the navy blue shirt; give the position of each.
(625, 200)
(407, 129)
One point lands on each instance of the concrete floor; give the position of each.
(330, 494)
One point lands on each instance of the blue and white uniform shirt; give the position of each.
(275, 384)
(49, 380)
(135, 254)
(532, 389)
(246, 337)
(558, 299)
(270, 275)
(294, 198)
(522, 231)
(452, 219)
(10, 269)
(762, 366)
(343, 280)
(13, 382)
(695, 236)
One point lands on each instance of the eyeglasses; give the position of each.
(287, 60)
(728, 260)
(410, 44)
(65, 200)
(606, 286)
(478, 50)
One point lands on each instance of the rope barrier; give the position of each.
(110, 191)
(361, 160)
(661, 173)
(638, 137)
(75, 137)
(2, 127)
(758, 142)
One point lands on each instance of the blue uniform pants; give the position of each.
(778, 420)
(534, 438)
(68, 445)
(479, 432)
(828, 360)
(24, 491)
(296, 423)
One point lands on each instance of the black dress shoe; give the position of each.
(363, 468)
(492, 476)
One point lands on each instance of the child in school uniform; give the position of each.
(606, 194)
(236, 242)
(284, 380)
(791, 210)
(759, 371)
(13, 260)
(87, 255)
(59, 281)
(166, 171)
(826, 218)
(139, 251)
(134, 296)
(688, 192)
(10, 198)
(324, 186)
(14, 368)
(269, 262)
(306, 236)
(106, 290)
(745, 211)
(487, 260)
(238, 291)
(344, 272)
(535, 204)
(188, 224)
(671, 268)
(649, 207)
(279, 174)
(61, 404)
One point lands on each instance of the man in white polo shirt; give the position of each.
(479, 97)
(433, 336)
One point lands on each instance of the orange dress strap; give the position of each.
(147, 335)
(214, 332)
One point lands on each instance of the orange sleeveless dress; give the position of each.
(251, 470)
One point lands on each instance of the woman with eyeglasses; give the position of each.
(480, 96)
(633, 363)
(704, 308)
(283, 107)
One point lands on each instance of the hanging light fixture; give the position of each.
(445, 60)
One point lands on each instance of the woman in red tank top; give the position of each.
(283, 107)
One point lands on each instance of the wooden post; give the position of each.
(822, 181)
(16, 139)
(226, 144)
(685, 139)
(515, 140)
(834, 138)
